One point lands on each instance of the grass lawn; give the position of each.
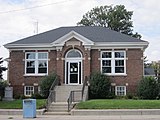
(119, 104)
(17, 104)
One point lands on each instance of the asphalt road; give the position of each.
(63, 117)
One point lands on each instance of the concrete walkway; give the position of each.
(120, 117)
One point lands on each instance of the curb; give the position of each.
(18, 111)
(86, 112)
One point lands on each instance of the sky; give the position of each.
(19, 18)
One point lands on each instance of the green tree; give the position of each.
(46, 83)
(115, 18)
(148, 88)
(99, 86)
(2, 69)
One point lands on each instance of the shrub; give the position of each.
(3, 84)
(37, 96)
(99, 86)
(21, 97)
(130, 96)
(46, 83)
(148, 88)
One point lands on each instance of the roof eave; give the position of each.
(11, 46)
(143, 45)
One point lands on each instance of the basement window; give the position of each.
(120, 90)
(28, 90)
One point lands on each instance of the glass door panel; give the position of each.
(74, 73)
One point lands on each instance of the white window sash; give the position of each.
(113, 59)
(25, 90)
(36, 60)
(116, 90)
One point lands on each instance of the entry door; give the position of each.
(73, 69)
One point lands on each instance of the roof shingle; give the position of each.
(93, 33)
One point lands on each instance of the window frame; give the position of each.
(36, 60)
(116, 91)
(113, 61)
(25, 87)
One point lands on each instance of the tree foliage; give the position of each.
(99, 86)
(115, 18)
(2, 69)
(148, 88)
(46, 83)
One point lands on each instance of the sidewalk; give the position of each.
(119, 117)
(18, 111)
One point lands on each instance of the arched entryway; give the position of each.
(73, 67)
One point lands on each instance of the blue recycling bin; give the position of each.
(29, 108)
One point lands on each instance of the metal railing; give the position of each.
(73, 97)
(74, 94)
(84, 85)
(52, 96)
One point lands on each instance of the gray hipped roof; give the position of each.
(93, 33)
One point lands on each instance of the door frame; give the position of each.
(67, 76)
(72, 60)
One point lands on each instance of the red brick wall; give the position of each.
(134, 69)
(95, 62)
(17, 76)
(91, 63)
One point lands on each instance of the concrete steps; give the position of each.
(63, 92)
(57, 113)
(60, 106)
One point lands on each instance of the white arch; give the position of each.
(73, 53)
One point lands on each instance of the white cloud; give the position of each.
(20, 24)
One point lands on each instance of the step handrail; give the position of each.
(71, 99)
(51, 97)
(84, 85)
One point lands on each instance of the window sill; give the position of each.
(27, 95)
(116, 74)
(34, 75)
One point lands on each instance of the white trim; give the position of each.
(31, 49)
(25, 90)
(69, 73)
(73, 60)
(43, 45)
(117, 90)
(36, 64)
(115, 47)
(113, 59)
(61, 41)
(120, 45)
(86, 42)
(26, 75)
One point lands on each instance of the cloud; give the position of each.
(20, 24)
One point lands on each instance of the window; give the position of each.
(36, 63)
(120, 90)
(73, 54)
(28, 90)
(113, 62)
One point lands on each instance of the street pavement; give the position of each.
(66, 117)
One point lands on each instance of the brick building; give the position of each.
(73, 53)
